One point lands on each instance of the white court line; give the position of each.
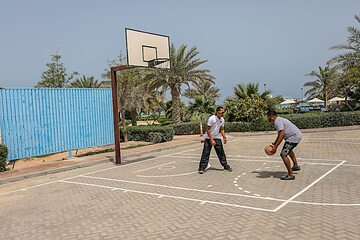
(206, 201)
(307, 159)
(163, 176)
(325, 139)
(105, 169)
(101, 170)
(309, 186)
(34, 186)
(170, 196)
(333, 141)
(154, 167)
(262, 161)
(328, 204)
(183, 188)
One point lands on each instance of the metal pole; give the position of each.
(115, 115)
(265, 86)
(302, 96)
(113, 71)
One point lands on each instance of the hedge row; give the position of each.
(153, 134)
(194, 128)
(3, 156)
(331, 119)
(302, 121)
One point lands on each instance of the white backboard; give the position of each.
(147, 49)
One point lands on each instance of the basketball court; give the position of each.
(328, 180)
(161, 195)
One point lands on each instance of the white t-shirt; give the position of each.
(292, 133)
(216, 124)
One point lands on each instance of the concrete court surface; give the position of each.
(161, 196)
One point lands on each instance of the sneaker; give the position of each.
(287, 177)
(207, 167)
(228, 168)
(201, 171)
(295, 168)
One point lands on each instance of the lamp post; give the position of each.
(302, 96)
(265, 86)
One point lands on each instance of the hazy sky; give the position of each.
(272, 42)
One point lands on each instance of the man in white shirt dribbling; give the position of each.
(215, 129)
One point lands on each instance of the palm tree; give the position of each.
(85, 82)
(243, 91)
(348, 64)
(322, 85)
(200, 109)
(207, 90)
(248, 103)
(353, 42)
(184, 70)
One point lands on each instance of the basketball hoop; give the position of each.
(163, 63)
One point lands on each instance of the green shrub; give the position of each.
(194, 128)
(155, 137)
(330, 119)
(188, 128)
(3, 155)
(166, 123)
(142, 133)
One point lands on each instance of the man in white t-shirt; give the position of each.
(292, 135)
(215, 129)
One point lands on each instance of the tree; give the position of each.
(353, 41)
(322, 86)
(200, 109)
(134, 91)
(247, 104)
(55, 76)
(85, 82)
(184, 70)
(206, 90)
(243, 91)
(348, 64)
(245, 109)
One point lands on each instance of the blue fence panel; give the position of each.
(36, 122)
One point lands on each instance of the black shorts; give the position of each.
(287, 148)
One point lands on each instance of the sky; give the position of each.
(272, 42)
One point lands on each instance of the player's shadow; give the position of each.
(214, 169)
(269, 174)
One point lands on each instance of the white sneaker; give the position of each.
(208, 166)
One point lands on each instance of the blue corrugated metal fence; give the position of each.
(35, 122)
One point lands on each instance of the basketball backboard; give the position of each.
(147, 49)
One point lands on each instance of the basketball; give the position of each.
(269, 150)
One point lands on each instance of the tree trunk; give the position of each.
(347, 101)
(134, 116)
(326, 100)
(175, 95)
(124, 125)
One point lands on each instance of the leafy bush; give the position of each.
(150, 133)
(155, 137)
(188, 128)
(167, 123)
(163, 119)
(3, 156)
(331, 119)
(194, 128)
